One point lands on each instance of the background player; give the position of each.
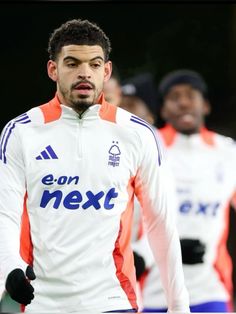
(204, 166)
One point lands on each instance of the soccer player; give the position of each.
(69, 170)
(203, 163)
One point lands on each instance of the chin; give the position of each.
(188, 131)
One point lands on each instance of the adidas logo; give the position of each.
(48, 153)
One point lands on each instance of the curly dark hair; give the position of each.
(78, 32)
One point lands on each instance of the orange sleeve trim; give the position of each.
(123, 254)
(26, 247)
(223, 262)
(51, 110)
(168, 133)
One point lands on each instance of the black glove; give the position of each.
(139, 264)
(193, 251)
(18, 286)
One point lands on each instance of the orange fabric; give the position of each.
(123, 254)
(223, 263)
(51, 110)
(168, 133)
(207, 136)
(140, 228)
(107, 111)
(26, 247)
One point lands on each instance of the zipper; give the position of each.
(80, 138)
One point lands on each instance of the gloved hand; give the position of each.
(139, 264)
(193, 251)
(18, 285)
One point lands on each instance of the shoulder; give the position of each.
(147, 133)
(29, 118)
(225, 141)
(134, 123)
(36, 116)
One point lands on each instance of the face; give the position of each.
(112, 91)
(136, 106)
(185, 108)
(80, 72)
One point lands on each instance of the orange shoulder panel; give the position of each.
(51, 110)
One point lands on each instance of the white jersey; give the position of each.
(66, 206)
(204, 166)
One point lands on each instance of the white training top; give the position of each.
(66, 207)
(204, 166)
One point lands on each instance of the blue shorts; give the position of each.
(207, 307)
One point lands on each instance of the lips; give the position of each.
(84, 89)
(83, 86)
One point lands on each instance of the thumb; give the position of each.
(30, 273)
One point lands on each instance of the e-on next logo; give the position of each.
(75, 199)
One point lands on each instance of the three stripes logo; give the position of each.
(7, 132)
(47, 153)
(144, 123)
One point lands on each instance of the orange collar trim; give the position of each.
(169, 135)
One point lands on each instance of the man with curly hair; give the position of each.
(69, 170)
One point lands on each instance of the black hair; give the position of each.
(78, 32)
(183, 76)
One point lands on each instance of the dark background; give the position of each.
(146, 37)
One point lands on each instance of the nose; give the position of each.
(84, 72)
(184, 101)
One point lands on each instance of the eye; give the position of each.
(95, 65)
(71, 64)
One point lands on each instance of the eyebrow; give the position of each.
(78, 60)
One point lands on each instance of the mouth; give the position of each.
(186, 118)
(83, 88)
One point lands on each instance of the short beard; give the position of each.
(81, 106)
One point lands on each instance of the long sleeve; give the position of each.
(12, 191)
(155, 191)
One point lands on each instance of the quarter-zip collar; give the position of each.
(54, 109)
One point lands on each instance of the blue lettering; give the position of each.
(199, 208)
(62, 180)
(110, 194)
(47, 196)
(72, 200)
(48, 180)
(215, 208)
(71, 179)
(202, 208)
(185, 207)
(93, 200)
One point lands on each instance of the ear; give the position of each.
(52, 70)
(206, 108)
(108, 71)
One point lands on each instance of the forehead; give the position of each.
(182, 89)
(82, 52)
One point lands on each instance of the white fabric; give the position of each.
(73, 247)
(205, 181)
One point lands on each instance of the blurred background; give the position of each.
(146, 37)
(149, 39)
